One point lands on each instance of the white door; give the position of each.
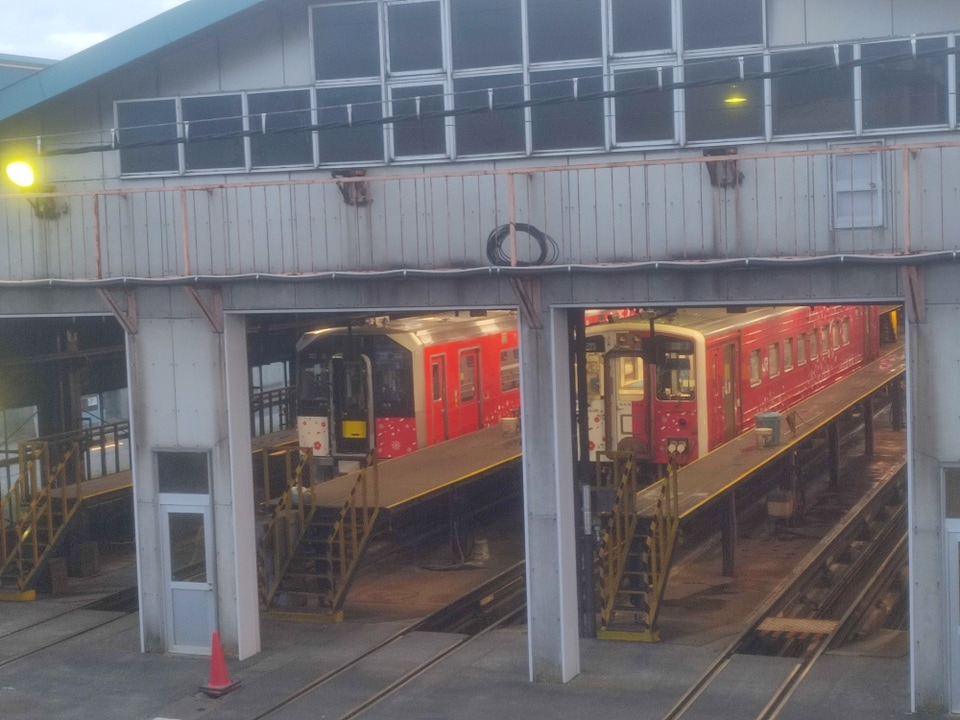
(188, 575)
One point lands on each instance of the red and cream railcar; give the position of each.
(684, 383)
(403, 384)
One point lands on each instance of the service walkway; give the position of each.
(411, 479)
(721, 470)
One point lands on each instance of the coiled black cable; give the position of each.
(549, 251)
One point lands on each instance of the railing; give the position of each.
(620, 529)
(272, 411)
(276, 467)
(294, 511)
(105, 448)
(41, 504)
(795, 202)
(662, 537)
(354, 528)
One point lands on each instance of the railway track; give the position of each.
(119, 605)
(825, 601)
(487, 607)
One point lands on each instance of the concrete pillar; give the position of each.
(188, 391)
(553, 637)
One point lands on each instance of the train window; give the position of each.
(845, 331)
(314, 388)
(594, 376)
(509, 369)
(801, 349)
(630, 372)
(392, 389)
(788, 354)
(755, 365)
(825, 340)
(468, 377)
(812, 341)
(675, 376)
(835, 335)
(773, 352)
(436, 381)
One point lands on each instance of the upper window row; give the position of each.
(356, 39)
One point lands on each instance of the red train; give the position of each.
(683, 383)
(403, 384)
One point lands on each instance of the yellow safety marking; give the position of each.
(804, 626)
(16, 596)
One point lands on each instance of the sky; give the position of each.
(55, 29)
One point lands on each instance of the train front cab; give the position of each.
(623, 364)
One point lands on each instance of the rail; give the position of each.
(880, 201)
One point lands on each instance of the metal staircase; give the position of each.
(35, 513)
(308, 553)
(635, 551)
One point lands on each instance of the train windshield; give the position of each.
(675, 375)
(630, 376)
(393, 384)
(314, 386)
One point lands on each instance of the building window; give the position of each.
(487, 132)
(415, 39)
(572, 32)
(567, 125)
(509, 369)
(422, 132)
(152, 125)
(900, 90)
(213, 129)
(486, 33)
(644, 112)
(729, 109)
(641, 25)
(348, 118)
(756, 366)
(857, 191)
(346, 41)
(274, 119)
(810, 94)
(722, 23)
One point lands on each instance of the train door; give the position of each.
(437, 429)
(470, 392)
(729, 399)
(352, 405)
(628, 404)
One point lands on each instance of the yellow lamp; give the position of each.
(21, 173)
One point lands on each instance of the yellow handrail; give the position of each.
(354, 527)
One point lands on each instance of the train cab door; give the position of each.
(627, 408)
(352, 405)
(438, 429)
(470, 392)
(728, 392)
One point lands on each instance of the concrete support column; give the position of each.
(189, 392)
(553, 636)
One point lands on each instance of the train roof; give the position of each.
(708, 321)
(427, 329)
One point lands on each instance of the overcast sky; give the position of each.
(57, 28)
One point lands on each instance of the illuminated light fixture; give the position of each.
(735, 97)
(22, 174)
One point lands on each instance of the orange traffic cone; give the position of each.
(219, 682)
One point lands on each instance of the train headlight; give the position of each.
(677, 446)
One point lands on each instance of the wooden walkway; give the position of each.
(412, 478)
(709, 477)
